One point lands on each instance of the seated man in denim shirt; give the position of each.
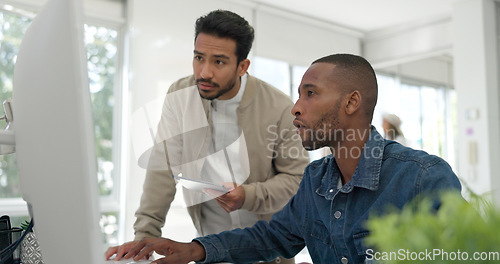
(365, 174)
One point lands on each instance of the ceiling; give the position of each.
(366, 15)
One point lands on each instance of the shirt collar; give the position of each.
(366, 175)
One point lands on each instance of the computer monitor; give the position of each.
(54, 137)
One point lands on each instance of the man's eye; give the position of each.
(197, 57)
(310, 93)
(219, 62)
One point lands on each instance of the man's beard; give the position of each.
(225, 89)
(321, 132)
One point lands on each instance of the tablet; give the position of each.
(199, 185)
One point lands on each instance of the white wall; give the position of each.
(476, 80)
(161, 48)
(298, 41)
(434, 70)
(407, 43)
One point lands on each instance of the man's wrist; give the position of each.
(198, 251)
(250, 196)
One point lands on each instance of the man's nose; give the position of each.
(206, 72)
(296, 109)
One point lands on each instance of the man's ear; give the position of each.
(243, 67)
(353, 102)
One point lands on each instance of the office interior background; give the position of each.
(437, 62)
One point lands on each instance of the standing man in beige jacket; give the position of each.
(224, 126)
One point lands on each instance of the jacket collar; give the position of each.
(250, 90)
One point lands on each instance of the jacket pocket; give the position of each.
(359, 240)
(320, 232)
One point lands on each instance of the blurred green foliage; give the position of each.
(458, 231)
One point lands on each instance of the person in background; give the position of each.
(392, 128)
(237, 108)
(364, 176)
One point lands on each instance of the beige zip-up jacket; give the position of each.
(276, 158)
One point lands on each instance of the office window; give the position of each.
(102, 51)
(285, 77)
(274, 72)
(427, 112)
(297, 73)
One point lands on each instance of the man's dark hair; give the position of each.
(226, 24)
(356, 73)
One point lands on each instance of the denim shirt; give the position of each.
(330, 220)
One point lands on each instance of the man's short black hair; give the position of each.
(358, 72)
(226, 24)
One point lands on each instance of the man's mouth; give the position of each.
(206, 85)
(298, 125)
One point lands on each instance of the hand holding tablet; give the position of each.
(199, 185)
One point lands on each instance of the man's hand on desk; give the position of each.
(120, 251)
(231, 201)
(174, 252)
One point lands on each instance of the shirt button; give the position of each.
(331, 190)
(344, 260)
(337, 214)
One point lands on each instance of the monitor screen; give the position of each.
(54, 138)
